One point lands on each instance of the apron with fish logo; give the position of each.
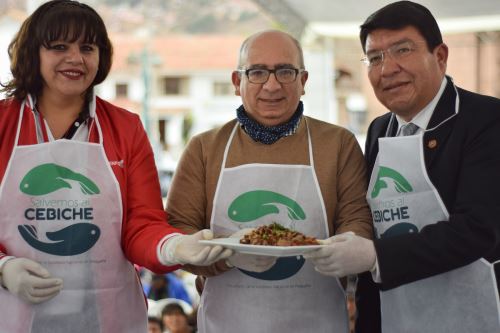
(291, 296)
(403, 200)
(60, 205)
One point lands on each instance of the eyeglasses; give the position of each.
(397, 52)
(261, 75)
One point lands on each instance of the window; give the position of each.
(223, 89)
(174, 85)
(357, 112)
(121, 90)
(162, 129)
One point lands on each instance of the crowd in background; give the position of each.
(172, 301)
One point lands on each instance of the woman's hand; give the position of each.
(29, 281)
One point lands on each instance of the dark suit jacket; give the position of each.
(464, 166)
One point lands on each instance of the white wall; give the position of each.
(206, 109)
(8, 28)
(319, 100)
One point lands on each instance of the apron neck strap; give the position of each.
(30, 103)
(457, 106)
(309, 144)
(389, 129)
(27, 102)
(226, 150)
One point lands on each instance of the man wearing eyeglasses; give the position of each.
(271, 164)
(434, 190)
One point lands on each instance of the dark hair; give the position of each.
(57, 19)
(173, 308)
(402, 14)
(156, 320)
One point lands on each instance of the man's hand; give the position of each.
(30, 281)
(185, 249)
(343, 255)
(250, 262)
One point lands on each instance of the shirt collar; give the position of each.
(424, 116)
(91, 110)
(92, 105)
(75, 132)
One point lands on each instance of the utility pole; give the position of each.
(146, 60)
(146, 78)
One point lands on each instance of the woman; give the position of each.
(79, 195)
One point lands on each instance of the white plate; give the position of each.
(263, 250)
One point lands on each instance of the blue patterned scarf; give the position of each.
(269, 134)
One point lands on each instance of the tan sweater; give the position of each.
(338, 161)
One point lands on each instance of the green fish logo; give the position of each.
(252, 205)
(401, 185)
(48, 178)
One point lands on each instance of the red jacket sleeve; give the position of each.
(9, 117)
(124, 138)
(3, 251)
(144, 219)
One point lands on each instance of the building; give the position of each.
(329, 32)
(10, 22)
(179, 84)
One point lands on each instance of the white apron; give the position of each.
(290, 296)
(403, 200)
(60, 205)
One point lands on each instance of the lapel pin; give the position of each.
(432, 143)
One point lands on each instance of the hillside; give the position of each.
(159, 17)
(189, 16)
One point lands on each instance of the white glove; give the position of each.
(29, 281)
(250, 262)
(185, 249)
(345, 254)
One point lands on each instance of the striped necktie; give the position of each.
(409, 129)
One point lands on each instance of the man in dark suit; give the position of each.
(434, 190)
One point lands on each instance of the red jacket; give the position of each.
(144, 220)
